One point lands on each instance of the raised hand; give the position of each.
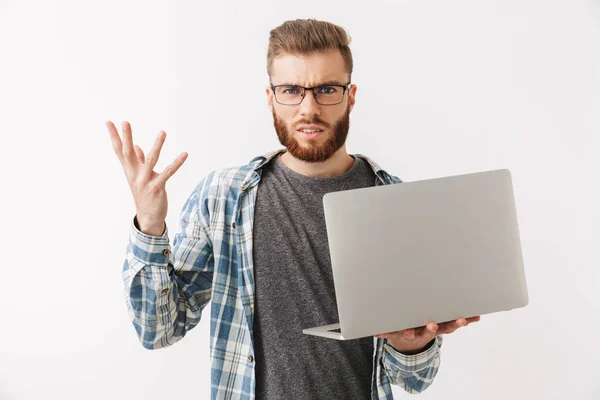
(147, 186)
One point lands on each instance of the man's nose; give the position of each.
(309, 105)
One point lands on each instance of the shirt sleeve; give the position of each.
(166, 289)
(414, 373)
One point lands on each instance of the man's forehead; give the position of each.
(309, 70)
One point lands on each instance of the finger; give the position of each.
(409, 334)
(172, 168)
(115, 140)
(449, 327)
(473, 319)
(140, 154)
(128, 151)
(155, 151)
(428, 331)
(431, 329)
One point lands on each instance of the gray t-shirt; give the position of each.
(294, 290)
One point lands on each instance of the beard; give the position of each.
(313, 152)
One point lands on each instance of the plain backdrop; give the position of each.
(444, 87)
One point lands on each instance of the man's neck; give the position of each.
(339, 163)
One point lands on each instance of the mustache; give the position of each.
(312, 122)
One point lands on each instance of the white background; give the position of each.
(443, 88)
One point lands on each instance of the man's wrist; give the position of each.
(414, 352)
(152, 230)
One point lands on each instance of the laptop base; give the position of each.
(326, 331)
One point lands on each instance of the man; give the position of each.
(253, 241)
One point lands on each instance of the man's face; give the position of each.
(334, 120)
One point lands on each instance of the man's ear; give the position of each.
(269, 97)
(352, 96)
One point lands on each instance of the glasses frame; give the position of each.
(316, 97)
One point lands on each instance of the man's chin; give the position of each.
(309, 144)
(308, 153)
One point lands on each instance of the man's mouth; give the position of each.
(310, 130)
(310, 133)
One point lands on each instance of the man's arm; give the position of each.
(165, 291)
(414, 373)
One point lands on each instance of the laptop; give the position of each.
(439, 249)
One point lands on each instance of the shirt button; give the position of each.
(233, 225)
(166, 252)
(250, 358)
(165, 291)
(244, 188)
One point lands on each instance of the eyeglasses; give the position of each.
(292, 95)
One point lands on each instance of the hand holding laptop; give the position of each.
(412, 341)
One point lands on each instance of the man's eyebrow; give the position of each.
(331, 82)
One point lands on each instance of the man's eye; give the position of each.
(327, 89)
(292, 90)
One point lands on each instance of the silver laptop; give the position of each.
(432, 250)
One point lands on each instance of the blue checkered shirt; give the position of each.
(166, 288)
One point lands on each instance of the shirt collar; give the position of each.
(259, 162)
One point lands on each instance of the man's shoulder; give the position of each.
(229, 180)
(386, 177)
(230, 176)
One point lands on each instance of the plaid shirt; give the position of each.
(211, 259)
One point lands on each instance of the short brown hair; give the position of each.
(305, 36)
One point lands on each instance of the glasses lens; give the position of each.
(289, 94)
(329, 94)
